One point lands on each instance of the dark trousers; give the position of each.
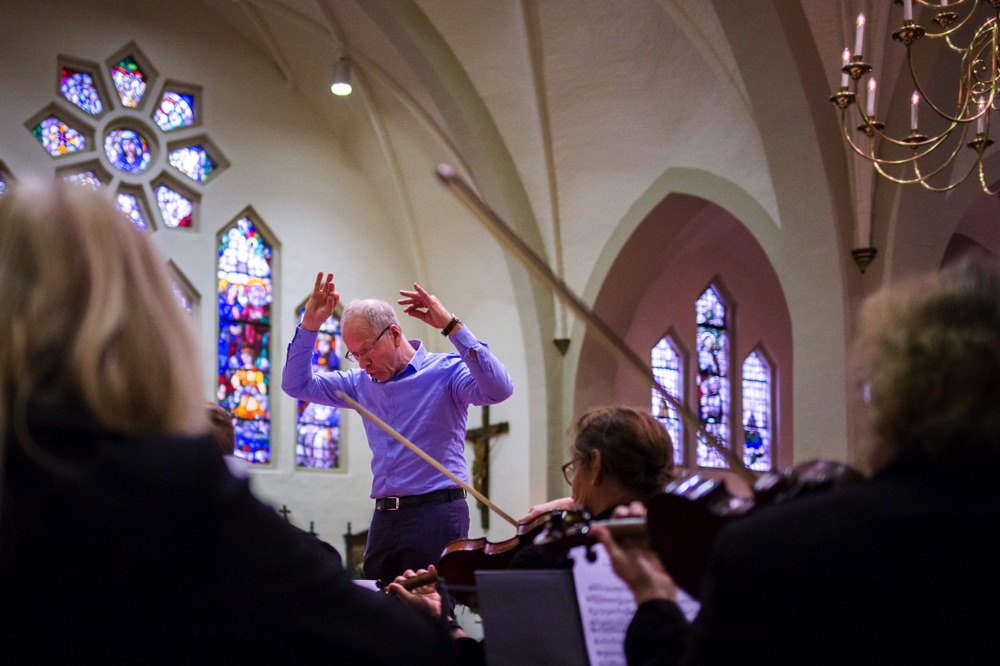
(412, 538)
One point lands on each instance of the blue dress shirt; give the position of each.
(427, 403)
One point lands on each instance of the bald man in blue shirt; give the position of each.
(424, 396)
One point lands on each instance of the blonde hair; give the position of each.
(928, 361)
(88, 317)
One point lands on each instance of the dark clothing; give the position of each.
(413, 537)
(899, 569)
(148, 549)
(327, 549)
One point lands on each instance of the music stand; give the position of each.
(530, 616)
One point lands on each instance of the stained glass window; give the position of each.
(78, 87)
(756, 413)
(183, 297)
(713, 376)
(244, 272)
(130, 144)
(666, 363)
(3, 185)
(317, 442)
(176, 209)
(87, 179)
(193, 161)
(175, 110)
(183, 291)
(130, 82)
(129, 204)
(58, 138)
(127, 150)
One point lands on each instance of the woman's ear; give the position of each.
(594, 466)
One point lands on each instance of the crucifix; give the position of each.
(480, 440)
(284, 510)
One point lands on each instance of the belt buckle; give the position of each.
(390, 504)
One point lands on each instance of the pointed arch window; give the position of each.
(184, 291)
(6, 179)
(245, 294)
(755, 377)
(317, 427)
(713, 375)
(757, 414)
(668, 369)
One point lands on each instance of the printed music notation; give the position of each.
(607, 606)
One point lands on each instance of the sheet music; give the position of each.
(688, 605)
(606, 606)
(367, 584)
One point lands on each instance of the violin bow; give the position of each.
(423, 454)
(533, 262)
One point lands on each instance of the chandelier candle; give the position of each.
(859, 35)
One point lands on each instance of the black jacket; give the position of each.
(900, 569)
(149, 549)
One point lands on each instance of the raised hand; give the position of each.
(322, 302)
(425, 307)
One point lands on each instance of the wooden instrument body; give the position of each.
(462, 558)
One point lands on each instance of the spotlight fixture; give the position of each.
(341, 78)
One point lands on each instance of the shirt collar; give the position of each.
(415, 363)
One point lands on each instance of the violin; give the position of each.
(463, 557)
(683, 521)
(570, 529)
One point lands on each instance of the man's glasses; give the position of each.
(568, 470)
(363, 353)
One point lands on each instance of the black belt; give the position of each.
(408, 501)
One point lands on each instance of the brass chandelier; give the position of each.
(931, 153)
